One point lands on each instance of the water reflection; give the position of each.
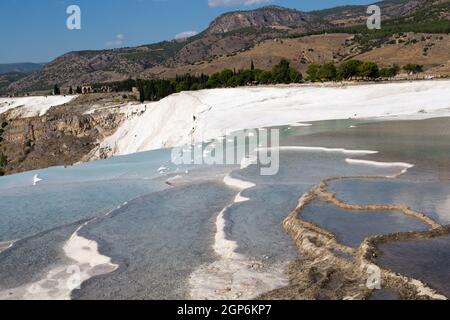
(352, 227)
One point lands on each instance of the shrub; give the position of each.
(413, 68)
(313, 72)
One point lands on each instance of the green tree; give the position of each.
(327, 72)
(280, 72)
(181, 86)
(385, 73)
(295, 76)
(349, 69)
(313, 72)
(142, 93)
(247, 76)
(56, 90)
(235, 81)
(265, 77)
(369, 70)
(3, 160)
(252, 66)
(225, 76)
(413, 68)
(214, 81)
(396, 69)
(257, 74)
(195, 87)
(389, 72)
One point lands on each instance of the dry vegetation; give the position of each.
(429, 50)
(300, 52)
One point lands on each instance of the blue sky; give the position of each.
(35, 31)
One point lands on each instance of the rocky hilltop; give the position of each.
(272, 16)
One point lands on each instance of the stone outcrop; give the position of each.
(57, 138)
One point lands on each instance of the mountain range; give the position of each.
(26, 67)
(240, 34)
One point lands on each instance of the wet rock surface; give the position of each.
(323, 274)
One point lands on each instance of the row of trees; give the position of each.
(356, 69)
(282, 73)
(156, 89)
(57, 91)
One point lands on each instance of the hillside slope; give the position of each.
(357, 14)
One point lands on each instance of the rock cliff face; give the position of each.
(58, 138)
(271, 16)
